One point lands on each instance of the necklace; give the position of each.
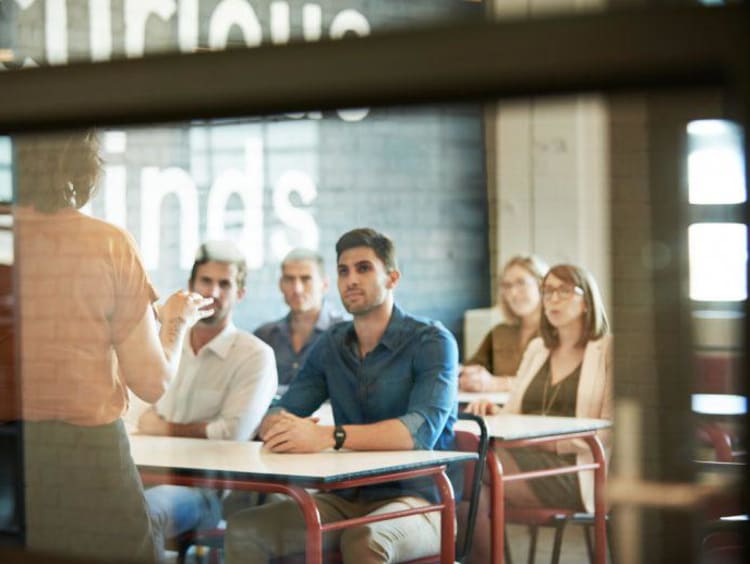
(547, 406)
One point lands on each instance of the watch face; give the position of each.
(339, 435)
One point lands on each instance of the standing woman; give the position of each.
(494, 365)
(87, 334)
(567, 372)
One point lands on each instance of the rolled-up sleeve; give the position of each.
(433, 396)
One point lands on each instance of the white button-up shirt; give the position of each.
(229, 384)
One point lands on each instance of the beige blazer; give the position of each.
(594, 400)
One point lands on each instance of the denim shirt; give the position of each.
(279, 337)
(411, 375)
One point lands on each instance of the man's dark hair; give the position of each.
(381, 245)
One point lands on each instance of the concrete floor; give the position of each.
(573, 546)
(573, 549)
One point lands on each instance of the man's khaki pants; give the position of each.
(256, 535)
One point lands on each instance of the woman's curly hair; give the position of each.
(58, 170)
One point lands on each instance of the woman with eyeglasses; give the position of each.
(493, 367)
(566, 372)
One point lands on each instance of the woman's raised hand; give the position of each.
(188, 307)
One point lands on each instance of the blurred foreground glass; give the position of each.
(420, 174)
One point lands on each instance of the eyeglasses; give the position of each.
(564, 292)
(520, 284)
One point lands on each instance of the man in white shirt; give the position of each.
(226, 381)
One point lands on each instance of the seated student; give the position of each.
(391, 379)
(566, 372)
(303, 284)
(494, 365)
(225, 383)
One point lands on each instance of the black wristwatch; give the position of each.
(339, 435)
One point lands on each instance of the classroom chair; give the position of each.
(724, 539)
(726, 528)
(723, 441)
(473, 473)
(557, 519)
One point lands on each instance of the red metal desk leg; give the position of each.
(447, 519)
(306, 502)
(313, 532)
(600, 511)
(497, 508)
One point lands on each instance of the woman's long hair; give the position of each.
(595, 324)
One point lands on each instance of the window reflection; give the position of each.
(718, 261)
(6, 181)
(716, 167)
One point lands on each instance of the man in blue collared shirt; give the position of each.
(392, 382)
(303, 284)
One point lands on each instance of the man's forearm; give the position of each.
(284, 432)
(193, 430)
(390, 434)
(151, 423)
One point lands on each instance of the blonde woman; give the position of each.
(493, 367)
(566, 372)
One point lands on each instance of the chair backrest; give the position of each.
(473, 472)
(718, 438)
(477, 323)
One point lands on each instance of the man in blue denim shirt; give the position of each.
(392, 382)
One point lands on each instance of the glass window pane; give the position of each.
(718, 258)
(716, 167)
(6, 181)
(6, 184)
(4, 151)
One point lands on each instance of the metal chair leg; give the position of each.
(610, 542)
(589, 544)
(508, 556)
(533, 532)
(557, 545)
(184, 542)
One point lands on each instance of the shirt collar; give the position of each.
(392, 335)
(220, 344)
(324, 321)
(282, 325)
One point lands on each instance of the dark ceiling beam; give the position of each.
(633, 49)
